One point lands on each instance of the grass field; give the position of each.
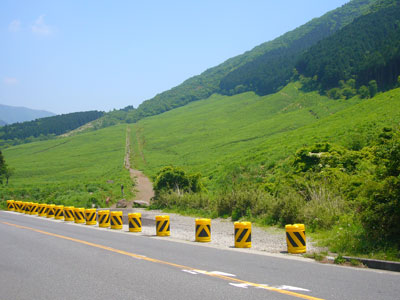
(78, 170)
(213, 135)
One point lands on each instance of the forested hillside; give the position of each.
(45, 128)
(368, 49)
(267, 60)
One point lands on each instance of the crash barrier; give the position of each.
(21, 207)
(42, 210)
(242, 234)
(27, 209)
(79, 215)
(59, 212)
(34, 208)
(11, 205)
(162, 226)
(203, 230)
(50, 210)
(18, 205)
(69, 213)
(135, 222)
(104, 218)
(90, 215)
(296, 238)
(116, 219)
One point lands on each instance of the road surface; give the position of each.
(48, 259)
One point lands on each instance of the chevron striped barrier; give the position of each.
(79, 215)
(203, 230)
(135, 222)
(116, 219)
(162, 226)
(34, 208)
(42, 210)
(69, 213)
(59, 212)
(296, 238)
(104, 218)
(50, 210)
(18, 206)
(11, 205)
(27, 209)
(242, 234)
(90, 215)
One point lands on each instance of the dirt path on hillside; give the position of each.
(143, 185)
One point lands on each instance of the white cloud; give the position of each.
(14, 26)
(40, 27)
(10, 80)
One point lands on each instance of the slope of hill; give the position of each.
(78, 170)
(280, 50)
(2, 123)
(13, 114)
(367, 49)
(45, 128)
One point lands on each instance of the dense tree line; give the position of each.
(366, 50)
(45, 127)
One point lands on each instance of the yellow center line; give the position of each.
(158, 261)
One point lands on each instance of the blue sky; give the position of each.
(67, 56)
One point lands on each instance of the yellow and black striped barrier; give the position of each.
(18, 206)
(104, 218)
(162, 226)
(59, 212)
(11, 205)
(34, 208)
(203, 230)
(90, 214)
(242, 234)
(135, 222)
(50, 210)
(42, 210)
(79, 215)
(296, 238)
(68, 213)
(27, 209)
(21, 207)
(116, 219)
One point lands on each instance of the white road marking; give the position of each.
(285, 287)
(190, 272)
(222, 273)
(240, 285)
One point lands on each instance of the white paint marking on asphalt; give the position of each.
(240, 285)
(190, 272)
(222, 273)
(291, 288)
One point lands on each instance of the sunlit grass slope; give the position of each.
(83, 169)
(221, 132)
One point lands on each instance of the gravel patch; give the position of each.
(271, 240)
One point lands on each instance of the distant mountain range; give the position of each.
(13, 114)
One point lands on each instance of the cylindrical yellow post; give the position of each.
(34, 208)
(90, 214)
(68, 213)
(79, 215)
(135, 222)
(296, 238)
(59, 212)
(242, 234)
(116, 219)
(203, 230)
(27, 208)
(21, 206)
(50, 210)
(104, 218)
(10, 205)
(42, 210)
(162, 226)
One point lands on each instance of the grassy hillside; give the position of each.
(209, 135)
(78, 170)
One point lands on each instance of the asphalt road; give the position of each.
(47, 259)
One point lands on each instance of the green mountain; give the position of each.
(13, 114)
(45, 128)
(367, 49)
(226, 77)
